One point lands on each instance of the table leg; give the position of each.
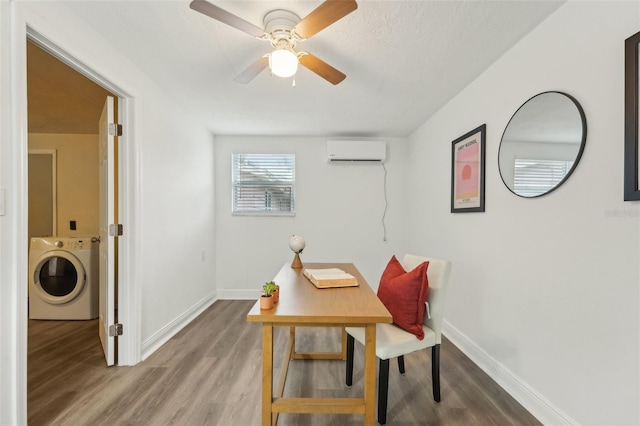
(292, 336)
(370, 375)
(267, 372)
(343, 350)
(288, 355)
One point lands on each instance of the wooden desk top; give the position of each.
(301, 302)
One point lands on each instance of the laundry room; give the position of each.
(64, 109)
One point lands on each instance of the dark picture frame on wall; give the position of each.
(467, 171)
(631, 118)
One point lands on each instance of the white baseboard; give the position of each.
(238, 294)
(528, 397)
(163, 335)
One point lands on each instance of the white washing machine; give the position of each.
(63, 278)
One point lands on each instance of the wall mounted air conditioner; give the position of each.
(361, 151)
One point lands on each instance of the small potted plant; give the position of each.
(266, 300)
(276, 292)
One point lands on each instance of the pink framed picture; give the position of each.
(467, 171)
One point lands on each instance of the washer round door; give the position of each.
(59, 277)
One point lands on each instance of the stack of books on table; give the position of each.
(330, 278)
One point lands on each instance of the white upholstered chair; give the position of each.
(394, 342)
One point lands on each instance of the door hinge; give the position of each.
(116, 230)
(115, 330)
(115, 129)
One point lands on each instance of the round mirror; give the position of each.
(542, 144)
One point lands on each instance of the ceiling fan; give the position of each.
(284, 30)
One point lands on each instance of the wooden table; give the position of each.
(303, 305)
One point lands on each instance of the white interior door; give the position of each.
(107, 252)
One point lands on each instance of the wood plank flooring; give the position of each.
(209, 374)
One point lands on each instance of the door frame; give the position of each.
(15, 28)
(129, 345)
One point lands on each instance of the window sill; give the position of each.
(263, 214)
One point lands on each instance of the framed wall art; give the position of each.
(631, 118)
(467, 171)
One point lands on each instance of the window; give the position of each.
(263, 184)
(536, 177)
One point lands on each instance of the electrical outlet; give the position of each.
(72, 225)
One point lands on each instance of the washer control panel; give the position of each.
(63, 243)
(75, 244)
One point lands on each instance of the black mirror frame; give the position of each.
(631, 119)
(583, 142)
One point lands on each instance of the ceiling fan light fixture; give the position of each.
(284, 29)
(283, 62)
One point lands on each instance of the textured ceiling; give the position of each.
(403, 60)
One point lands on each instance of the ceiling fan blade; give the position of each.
(254, 69)
(223, 16)
(321, 68)
(324, 15)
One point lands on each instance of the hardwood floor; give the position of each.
(209, 374)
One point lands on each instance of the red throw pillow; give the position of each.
(404, 294)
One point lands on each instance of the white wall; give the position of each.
(339, 209)
(178, 208)
(167, 195)
(544, 292)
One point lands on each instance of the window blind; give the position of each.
(535, 177)
(263, 183)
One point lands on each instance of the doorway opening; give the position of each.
(64, 108)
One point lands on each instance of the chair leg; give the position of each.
(435, 372)
(349, 377)
(383, 390)
(401, 364)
